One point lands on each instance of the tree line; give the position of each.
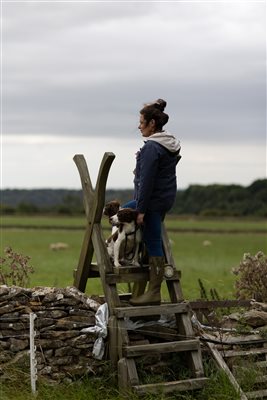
(202, 200)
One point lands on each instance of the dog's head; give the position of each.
(111, 208)
(124, 215)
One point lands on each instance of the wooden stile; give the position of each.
(122, 353)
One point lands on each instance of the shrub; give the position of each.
(252, 277)
(14, 269)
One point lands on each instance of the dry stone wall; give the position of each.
(63, 352)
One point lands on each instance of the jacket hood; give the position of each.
(167, 140)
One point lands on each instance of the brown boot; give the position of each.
(152, 296)
(138, 288)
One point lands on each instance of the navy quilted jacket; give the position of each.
(155, 177)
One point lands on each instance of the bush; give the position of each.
(14, 269)
(252, 277)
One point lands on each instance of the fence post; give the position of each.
(33, 361)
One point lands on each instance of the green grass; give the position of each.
(43, 221)
(212, 263)
(215, 224)
(52, 268)
(17, 387)
(172, 222)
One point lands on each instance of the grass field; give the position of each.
(205, 249)
(172, 222)
(202, 248)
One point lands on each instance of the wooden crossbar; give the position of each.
(155, 348)
(168, 387)
(166, 309)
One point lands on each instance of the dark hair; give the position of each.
(155, 111)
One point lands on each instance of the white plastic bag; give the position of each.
(101, 328)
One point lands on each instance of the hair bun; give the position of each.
(160, 104)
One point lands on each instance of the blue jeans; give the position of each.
(151, 230)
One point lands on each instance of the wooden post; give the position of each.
(93, 203)
(222, 365)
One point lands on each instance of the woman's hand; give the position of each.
(140, 219)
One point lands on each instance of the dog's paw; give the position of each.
(135, 264)
(117, 264)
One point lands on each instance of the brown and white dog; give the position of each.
(111, 208)
(126, 240)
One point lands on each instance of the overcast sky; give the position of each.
(76, 73)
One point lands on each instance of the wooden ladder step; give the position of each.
(167, 387)
(133, 274)
(257, 394)
(132, 269)
(93, 266)
(238, 353)
(170, 347)
(127, 277)
(127, 269)
(164, 308)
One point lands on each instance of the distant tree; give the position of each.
(123, 196)
(258, 186)
(27, 208)
(223, 200)
(7, 210)
(209, 200)
(71, 204)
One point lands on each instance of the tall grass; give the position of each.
(104, 387)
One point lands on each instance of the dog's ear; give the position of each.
(111, 208)
(115, 206)
(127, 215)
(116, 203)
(106, 209)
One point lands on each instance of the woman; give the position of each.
(155, 190)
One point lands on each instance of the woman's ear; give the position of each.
(152, 123)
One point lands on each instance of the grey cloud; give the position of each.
(236, 113)
(86, 70)
(45, 19)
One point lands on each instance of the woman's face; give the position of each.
(146, 129)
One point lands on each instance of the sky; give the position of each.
(74, 75)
